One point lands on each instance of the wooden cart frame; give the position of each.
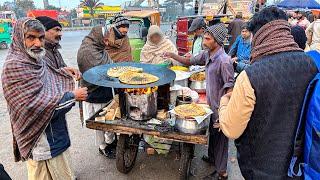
(130, 135)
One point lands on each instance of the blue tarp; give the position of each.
(303, 4)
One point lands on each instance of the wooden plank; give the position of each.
(133, 127)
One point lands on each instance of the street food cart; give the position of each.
(135, 112)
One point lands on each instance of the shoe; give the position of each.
(108, 152)
(113, 145)
(207, 159)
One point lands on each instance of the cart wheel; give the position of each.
(185, 160)
(127, 150)
(3, 45)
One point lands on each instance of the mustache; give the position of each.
(36, 52)
(58, 38)
(37, 49)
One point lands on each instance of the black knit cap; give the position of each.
(299, 36)
(120, 20)
(48, 22)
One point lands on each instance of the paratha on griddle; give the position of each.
(119, 70)
(135, 78)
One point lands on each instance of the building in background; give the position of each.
(106, 12)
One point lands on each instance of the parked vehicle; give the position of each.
(5, 34)
(184, 40)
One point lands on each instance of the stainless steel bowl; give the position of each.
(198, 86)
(191, 126)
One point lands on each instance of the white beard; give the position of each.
(37, 56)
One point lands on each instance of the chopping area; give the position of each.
(166, 115)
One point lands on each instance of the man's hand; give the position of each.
(188, 55)
(81, 94)
(235, 59)
(229, 94)
(167, 55)
(226, 98)
(75, 73)
(216, 124)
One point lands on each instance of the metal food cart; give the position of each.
(130, 130)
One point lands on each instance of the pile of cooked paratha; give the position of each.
(132, 75)
(119, 70)
(190, 110)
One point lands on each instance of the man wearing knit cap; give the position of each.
(220, 80)
(53, 36)
(118, 46)
(197, 27)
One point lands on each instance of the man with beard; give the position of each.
(220, 80)
(38, 97)
(264, 109)
(52, 38)
(118, 46)
(302, 20)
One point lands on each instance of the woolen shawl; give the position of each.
(32, 90)
(272, 38)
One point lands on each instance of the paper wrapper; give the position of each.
(199, 119)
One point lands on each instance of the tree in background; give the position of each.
(91, 4)
(22, 7)
(46, 4)
(181, 2)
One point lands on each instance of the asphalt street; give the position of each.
(87, 162)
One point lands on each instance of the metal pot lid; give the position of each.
(98, 75)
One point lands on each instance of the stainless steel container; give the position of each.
(141, 107)
(198, 86)
(182, 78)
(191, 126)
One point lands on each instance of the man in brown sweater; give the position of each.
(118, 46)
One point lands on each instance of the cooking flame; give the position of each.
(140, 91)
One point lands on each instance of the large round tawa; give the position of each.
(98, 75)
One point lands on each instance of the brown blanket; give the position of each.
(118, 49)
(92, 53)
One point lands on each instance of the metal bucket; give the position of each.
(141, 107)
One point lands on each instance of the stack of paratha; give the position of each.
(119, 70)
(136, 78)
(190, 110)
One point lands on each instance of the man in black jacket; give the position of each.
(263, 112)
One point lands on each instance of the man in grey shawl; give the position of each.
(38, 98)
(93, 53)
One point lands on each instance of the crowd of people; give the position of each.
(259, 108)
